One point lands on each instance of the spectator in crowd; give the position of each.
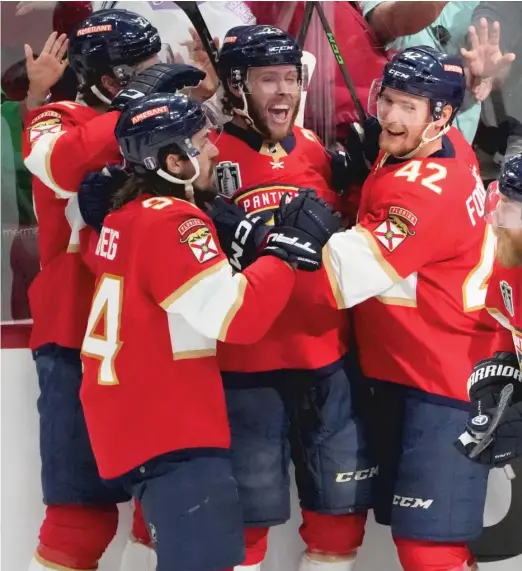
(502, 112)
(19, 246)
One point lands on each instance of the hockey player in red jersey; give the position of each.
(289, 390)
(490, 376)
(62, 142)
(165, 295)
(414, 269)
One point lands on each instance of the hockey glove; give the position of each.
(352, 161)
(158, 78)
(485, 384)
(507, 439)
(302, 227)
(489, 377)
(240, 234)
(96, 192)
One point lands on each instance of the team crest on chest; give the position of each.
(228, 178)
(196, 234)
(399, 224)
(507, 295)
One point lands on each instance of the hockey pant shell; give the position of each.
(191, 507)
(425, 489)
(81, 517)
(311, 418)
(69, 471)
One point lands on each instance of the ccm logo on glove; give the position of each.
(241, 234)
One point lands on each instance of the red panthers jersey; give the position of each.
(503, 301)
(62, 142)
(416, 267)
(311, 332)
(165, 294)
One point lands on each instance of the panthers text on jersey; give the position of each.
(62, 142)
(311, 332)
(165, 294)
(416, 267)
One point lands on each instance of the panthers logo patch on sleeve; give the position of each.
(396, 228)
(48, 122)
(198, 237)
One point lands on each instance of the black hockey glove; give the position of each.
(158, 78)
(351, 162)
(240, 234)
(507, 439)
(485, 384)
(489, 377)
(96, 192)
(302, 227)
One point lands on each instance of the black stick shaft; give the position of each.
(342, 66)
(305, 24)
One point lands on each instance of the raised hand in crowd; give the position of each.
(199, 58)
(484, 62)
(26, 6)
(45, 70)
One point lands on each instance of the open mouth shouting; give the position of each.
(279, 113)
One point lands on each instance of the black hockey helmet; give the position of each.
(504, 197)
(255, 46)
(110, 42)
(157, 122)
(510, 180)
(424, 71)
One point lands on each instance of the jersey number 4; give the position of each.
(102, 340)
(475, 286)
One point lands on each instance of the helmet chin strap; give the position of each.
(123, 80)
(189, 189)
(424, 141)
(244, 112)
(100, 95)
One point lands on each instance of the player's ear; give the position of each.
(110, 84)
(233, 90)
(174, 164)
(447, 110)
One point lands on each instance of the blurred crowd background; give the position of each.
(367, 34)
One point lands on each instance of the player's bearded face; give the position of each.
(273, 95)
(403, 119)
(509, 246)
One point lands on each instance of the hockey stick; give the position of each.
(487, 437)
(342, 66)
(305, 24)
(193, 13)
